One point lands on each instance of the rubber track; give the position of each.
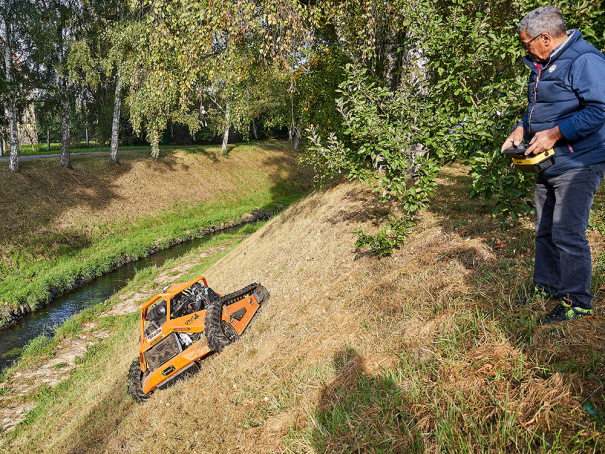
(135, 387)
(217, 340)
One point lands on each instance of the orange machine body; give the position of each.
(191, 324)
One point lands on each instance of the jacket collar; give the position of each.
(573, 37)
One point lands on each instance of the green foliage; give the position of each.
(390, 237)
(12, 353)
(314, 90)
(493, 174)
(377, 149)
(462, 89)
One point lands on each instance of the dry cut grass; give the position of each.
(422, 351)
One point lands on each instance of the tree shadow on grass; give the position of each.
(166, 162)
(361, 412)
(210, 154)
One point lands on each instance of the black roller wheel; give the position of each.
(229, 331)
(135, 385)
(219, 333)
(262, 294)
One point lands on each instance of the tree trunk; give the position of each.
(87, 141)
(13, 132)
(62, 80)
(226, 134)
(295, 139)
(48, 139)
(155, 144)
(14, 139)
(254, 130)
(115, 125)
(392, 59)
(65, 135)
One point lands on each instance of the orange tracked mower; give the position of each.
(173, 325)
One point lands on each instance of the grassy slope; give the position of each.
(55, 148)
(419, 352)
(59, 224)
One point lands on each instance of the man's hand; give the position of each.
(544, 140)
(514, 139)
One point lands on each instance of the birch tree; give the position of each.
(186, 57)
(115, 123)
(94, 61)
(11, 105)
(14, 23)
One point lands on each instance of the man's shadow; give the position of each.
(358, 411)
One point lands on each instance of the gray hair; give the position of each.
(546, 19)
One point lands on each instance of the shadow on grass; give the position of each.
(210, 154)
(101, 421)
(360, 412)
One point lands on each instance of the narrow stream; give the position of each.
(46, 320)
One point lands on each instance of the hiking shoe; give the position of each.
(565, 311)
(537, 294)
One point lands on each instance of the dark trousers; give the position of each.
(563, 263)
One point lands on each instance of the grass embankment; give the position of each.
(422, 351)
(61, 225)
(55, 148)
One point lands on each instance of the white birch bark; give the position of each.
(65, 133)
(62, 79)
(13, 131)
(226, 134)
(115, 125)
(155, 144)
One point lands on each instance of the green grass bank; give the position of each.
(63, 227)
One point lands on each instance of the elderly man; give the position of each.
(566, 112)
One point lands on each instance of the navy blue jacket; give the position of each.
(569, 91)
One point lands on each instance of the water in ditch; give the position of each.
(46, 320)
